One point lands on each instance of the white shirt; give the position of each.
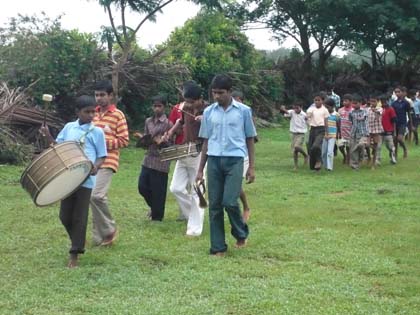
(316, 116)
(297, 121)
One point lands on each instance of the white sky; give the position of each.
(88, 16)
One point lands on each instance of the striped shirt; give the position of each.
(156, 127)
(345, 123)
(332, 125)
(115, 127)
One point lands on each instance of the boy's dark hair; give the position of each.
(411, 92)
(319, 94)
(347, 97)
(238, 93)
(401, 88)
(85, 101)
(159, 99)
(104, 85)
(299, 103)
(192, 90)
(329, 102)
(356, 98)
(384, 97)
(222, 82)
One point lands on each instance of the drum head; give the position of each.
(63, 184)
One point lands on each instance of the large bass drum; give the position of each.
(56, 173)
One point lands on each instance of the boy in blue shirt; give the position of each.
(75, 208)
(402, 109)
(328, 143)
(228, 134)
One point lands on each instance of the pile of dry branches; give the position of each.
(20, 120)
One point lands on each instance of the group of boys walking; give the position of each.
(357, 129)
(225, 131)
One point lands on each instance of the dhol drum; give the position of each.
(56, 173)
(180, 150)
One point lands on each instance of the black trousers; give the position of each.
(316, 135)
(74, 212)
(152, 186)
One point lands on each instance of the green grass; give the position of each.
(346, 242)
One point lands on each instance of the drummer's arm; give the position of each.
(175, 129)
(97, 165)
(45, 132)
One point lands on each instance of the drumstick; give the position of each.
(47, 98)
(185, 112)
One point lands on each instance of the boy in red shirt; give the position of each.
(389, 118)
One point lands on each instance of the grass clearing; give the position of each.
(346, 242)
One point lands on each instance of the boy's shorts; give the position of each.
(343, 143)
(298, 139)
(375, 138)
(401, 130)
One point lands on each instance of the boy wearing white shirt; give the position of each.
(298, 129)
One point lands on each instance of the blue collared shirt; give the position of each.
(94, 142)
(416, 106)
(227, 130)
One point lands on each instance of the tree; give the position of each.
(125, 36)
(38, 49)
(210, 43)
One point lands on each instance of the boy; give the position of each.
(375, 129)
(402, 109)
(414, 122)
(359, 132)
(416, 115)
(74, 209)
(345, 128)
(153, 179)
(316, 116)
(389, 118)
(186, 168)
(298, 129)
(328, 142)
(228, 134)
(113, 123)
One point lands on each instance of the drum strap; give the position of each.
(83, 137)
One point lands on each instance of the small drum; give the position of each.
(56, 173)
(180, 150)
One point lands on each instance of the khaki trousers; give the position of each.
(102, 222)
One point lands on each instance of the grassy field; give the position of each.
(343, 242)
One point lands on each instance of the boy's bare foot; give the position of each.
(241, 243)
(317, 166)
(246, 215)
(73, 261)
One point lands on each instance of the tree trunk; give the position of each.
(116, 70)
(373, 55)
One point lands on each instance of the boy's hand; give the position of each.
(199, 177)
(250, 175)
(45, 131)
(199, 118)
(94, 170)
